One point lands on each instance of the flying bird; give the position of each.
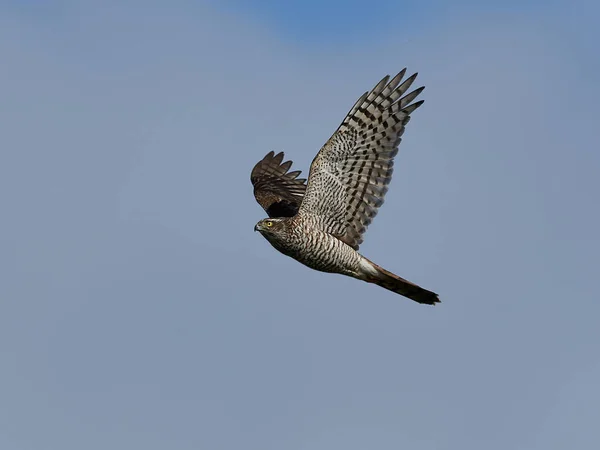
(321, 222)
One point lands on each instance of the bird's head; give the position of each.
(270, 226)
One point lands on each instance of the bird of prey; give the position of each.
(320, 223)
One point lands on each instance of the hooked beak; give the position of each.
(256, 227)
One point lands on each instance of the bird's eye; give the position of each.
(269, 223)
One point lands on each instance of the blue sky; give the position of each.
(354, 20)
(138, 309)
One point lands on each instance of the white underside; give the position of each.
(367, 267)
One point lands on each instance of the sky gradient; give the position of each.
(138, 309)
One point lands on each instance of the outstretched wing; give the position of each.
(278, 191)
(350, 175)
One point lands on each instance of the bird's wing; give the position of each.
(276, 189)
(350, 175)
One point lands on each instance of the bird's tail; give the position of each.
(372, 273)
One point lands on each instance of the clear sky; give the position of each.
(138, 309)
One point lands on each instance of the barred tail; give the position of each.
(372, 273)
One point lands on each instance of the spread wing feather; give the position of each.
(276, 189)
(349, 177)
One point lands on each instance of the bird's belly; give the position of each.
(322, 252)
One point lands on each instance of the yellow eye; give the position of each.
(269, 223)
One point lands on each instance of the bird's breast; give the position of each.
(318, 250)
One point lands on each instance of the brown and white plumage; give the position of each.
(277, 190)
(323, 223)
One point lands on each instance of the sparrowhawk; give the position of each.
(320, 223)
